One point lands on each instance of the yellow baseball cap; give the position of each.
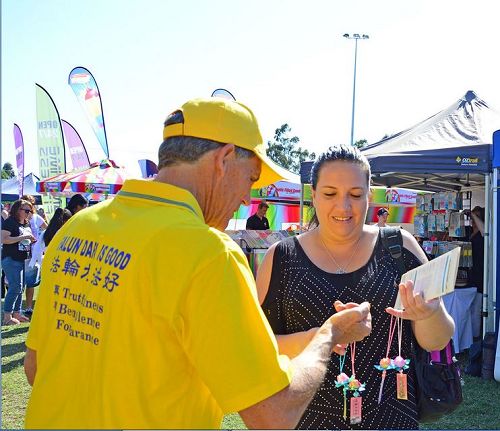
(227, 122)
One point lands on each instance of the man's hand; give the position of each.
(352, 323)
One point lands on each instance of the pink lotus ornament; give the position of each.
(399, 362)
(342, 378)
(385, 362)
(354, 384)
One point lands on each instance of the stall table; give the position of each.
(459, 305)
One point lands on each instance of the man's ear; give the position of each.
(222, 156)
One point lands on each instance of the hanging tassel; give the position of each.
(345, 403)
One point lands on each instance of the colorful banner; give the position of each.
(51, 156)
(19, 146)
(148, 168)
(401, 204)
(86, 91)
(77, 151)
(382, 195)
(282, 191)
(397, 213)
(281, 216)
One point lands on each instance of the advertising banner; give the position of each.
(86, 91)
(77, 151)
(51, 155)
(19, 146)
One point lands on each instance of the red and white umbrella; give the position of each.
(101, 178)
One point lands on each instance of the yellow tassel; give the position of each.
(345, 405)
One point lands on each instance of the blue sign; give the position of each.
(496, 149)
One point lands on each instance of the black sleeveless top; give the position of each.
(301, 297)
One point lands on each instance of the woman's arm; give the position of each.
(8, 239)
(292, 344)
(479, 223)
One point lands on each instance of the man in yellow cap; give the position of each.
(148, 316)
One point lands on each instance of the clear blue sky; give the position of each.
(287, 60)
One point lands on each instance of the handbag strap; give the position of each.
(392, 240)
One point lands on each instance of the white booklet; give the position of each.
(435, 278)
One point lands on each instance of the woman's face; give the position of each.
(341, 198)
(24, 213)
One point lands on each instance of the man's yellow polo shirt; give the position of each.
(148, 318)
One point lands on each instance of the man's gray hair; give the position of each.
(186, 149)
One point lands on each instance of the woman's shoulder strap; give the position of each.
(392, 240)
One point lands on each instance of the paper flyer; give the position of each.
(435, 278)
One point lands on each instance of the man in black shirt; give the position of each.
(259, 221)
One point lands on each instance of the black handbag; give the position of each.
(438, 380)
(439, 385)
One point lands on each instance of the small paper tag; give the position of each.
(355, 410)
(401, 386)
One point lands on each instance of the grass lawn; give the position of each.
(480, 409)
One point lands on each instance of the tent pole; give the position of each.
(301, 210)
(493, 244)
(488, 312)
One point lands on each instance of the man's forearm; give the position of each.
(288, 405)
(30, 365)
(285, 408)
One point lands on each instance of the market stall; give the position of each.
(450, 151)
(10, 188)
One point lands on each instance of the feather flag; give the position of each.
(86, 91)
(77, 151)
(19, 145)
(148, 168)
(51, 155)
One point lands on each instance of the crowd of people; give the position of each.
(151, 311)
(25, 234)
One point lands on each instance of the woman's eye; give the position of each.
(356, 196)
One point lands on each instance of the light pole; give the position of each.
(356, 37)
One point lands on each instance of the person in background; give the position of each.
(16, 243)
(61, 216)
(476, 279)
(77, 203)
(258, 221)
(190, 300)
(382, 214)
(41, 213)
(342, 260)
(5, 213)
(32, 275)
(37, 223)
(5, 216)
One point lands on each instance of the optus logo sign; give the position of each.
(467, 161)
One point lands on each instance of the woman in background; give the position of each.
(77, 203)
(60, 217)
(16, 244)
(476, 279)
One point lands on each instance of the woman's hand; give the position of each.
(414, 306)
(28, 236)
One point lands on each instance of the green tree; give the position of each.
(361, 143)
(7, 171)
(284, 150)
